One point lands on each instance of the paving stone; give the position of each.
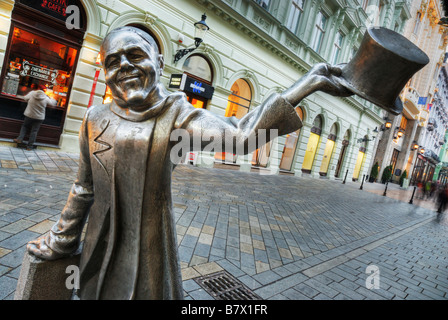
(294, 295)
(18, 239)
(250, 231)
(308, 291)
(7, 286)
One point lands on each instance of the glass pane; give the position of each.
(358, 165)
(197, 103)
(239, 101)
(328, 152)
(35, 60)
(198, 66)
(288, 151)
(290, 146)
(237, 106)
(310, 152)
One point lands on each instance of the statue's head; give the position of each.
(132, 66)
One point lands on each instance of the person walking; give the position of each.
(34, 115)
(442, 201)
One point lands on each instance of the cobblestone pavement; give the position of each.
(282, 237)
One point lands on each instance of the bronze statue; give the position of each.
(124, 178)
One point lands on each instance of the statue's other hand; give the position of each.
(40, 249)
(327, 78)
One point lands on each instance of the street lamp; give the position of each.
(388, 123)
(200, 29)
(414, 145)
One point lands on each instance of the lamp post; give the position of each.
(343, 182)
(200, 29)
(360, 188)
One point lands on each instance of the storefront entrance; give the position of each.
(40, 51)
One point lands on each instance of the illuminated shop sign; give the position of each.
(175, 81)
(188, 84)
(58, 6)
(54, 8)
(38, 72)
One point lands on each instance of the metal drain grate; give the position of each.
(223, 286)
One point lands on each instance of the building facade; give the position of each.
(254, 48)
(439, 115)
(409, 144)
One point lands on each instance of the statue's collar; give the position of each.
(138, 116)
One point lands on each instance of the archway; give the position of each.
(313, 144)
(328, 151)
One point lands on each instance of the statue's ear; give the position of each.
(161, 63)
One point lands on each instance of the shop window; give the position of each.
(393, 160)
(36, 60)
(328, 151)
(359, 163)
(238, 104)
(313, 144)
(290, 146)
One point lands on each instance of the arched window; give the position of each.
(328, 152)
(359, 161)
(197, 67)
(313, 144)
(290, 146)
(238, 104)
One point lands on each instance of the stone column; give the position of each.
(6, 7)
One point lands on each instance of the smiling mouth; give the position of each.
(128, 78)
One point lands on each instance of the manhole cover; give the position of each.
(223, 286)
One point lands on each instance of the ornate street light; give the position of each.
(422, 150)
(200, 29)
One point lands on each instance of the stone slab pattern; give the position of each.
(264, 229)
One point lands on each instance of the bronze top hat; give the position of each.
(381, 68)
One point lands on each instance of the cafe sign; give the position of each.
(38, 72)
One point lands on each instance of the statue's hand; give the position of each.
(40, 249)
(327, 78)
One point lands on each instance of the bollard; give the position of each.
(412, 197)
(360, 188)
(343, 182)
(385, 189)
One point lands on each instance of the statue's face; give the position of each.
(132, 69)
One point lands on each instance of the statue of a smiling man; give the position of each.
(124, 178)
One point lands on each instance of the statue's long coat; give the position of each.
(124, 187)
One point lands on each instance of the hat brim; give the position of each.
(395, 108)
